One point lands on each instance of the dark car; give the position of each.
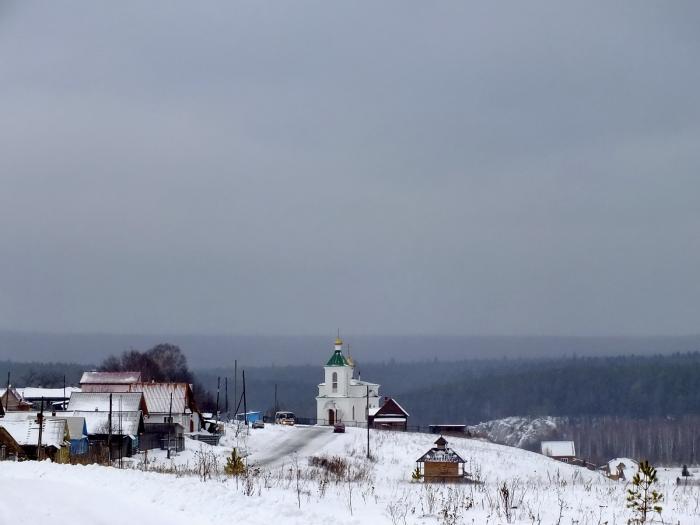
(258, 424)
(339, 428)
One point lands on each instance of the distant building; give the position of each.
(12, 400)
(122, 426)
(560, 450)
(53, 398)
(441, 464)
(390, 416)
(169, 403)
(108, 381)
(341, 397)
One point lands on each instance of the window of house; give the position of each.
(335, 381)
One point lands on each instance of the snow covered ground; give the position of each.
(287, 490)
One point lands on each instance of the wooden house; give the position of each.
(169, 403)
(51, 443)
(441, 464)
(121, 426)
(389, 416)
(12, 400)
(560, 450)
(9, 448)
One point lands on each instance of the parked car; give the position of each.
(339, 428)
(258, 424)
(285, 418)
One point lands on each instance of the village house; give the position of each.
(560, 450)
(9, 448)
(114, 418)
(54, 443)
(12, 401)
(441, 464)
(390, 416)
(169, 403)
(341, 397)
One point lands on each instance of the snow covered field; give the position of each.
(288, 490)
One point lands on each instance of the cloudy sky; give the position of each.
(387, 167)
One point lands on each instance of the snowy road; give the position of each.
(302, 441)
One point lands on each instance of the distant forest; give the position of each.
(464, 391)
(473, 391)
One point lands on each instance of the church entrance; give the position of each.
(331, 417)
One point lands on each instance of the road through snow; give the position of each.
(302, 441)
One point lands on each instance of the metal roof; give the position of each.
(76, 426)
(123, 423)
(110, 378)
(157, 396)
(337, 359)
(99, 401)
(26, 432)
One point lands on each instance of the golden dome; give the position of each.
(338, 341)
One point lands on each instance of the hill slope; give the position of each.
(541, 488)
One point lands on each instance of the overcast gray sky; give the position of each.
(386, 167)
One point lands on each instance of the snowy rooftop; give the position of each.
(558, 449)
(99, 401)
(157, 396)
(26, 431)
(31, 392)
(110, 378)
(123, 423)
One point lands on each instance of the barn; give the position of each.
(389, 416)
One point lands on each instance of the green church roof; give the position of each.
(337, 359)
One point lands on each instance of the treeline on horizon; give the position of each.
(459, 392)
(473, 391)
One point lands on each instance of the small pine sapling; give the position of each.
(234, 464)
(642, 498)
(416, 475)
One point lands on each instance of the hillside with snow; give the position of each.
(284, 487)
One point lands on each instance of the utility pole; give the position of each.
(64, 392)
(235, 384)
(226, 390)
(218, 388)
(170, 421)
(7, 392)
(245, 402)
(109, 429)
(367, 421)
(40, 419)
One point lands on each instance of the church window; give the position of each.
(335, 381)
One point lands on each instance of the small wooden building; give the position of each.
(390, 416)
(12, 400)
(441, 464)
(9, 448)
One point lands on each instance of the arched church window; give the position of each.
(335, 381)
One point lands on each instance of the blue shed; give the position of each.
(77, 432)
(250, 417)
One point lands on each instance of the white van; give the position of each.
(285, 418)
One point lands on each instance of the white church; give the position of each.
(341, 397)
